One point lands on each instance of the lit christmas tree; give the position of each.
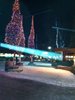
(31, 42)
(14, 30)
(31, 39)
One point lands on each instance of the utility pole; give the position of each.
(57, 33)
(64, 29)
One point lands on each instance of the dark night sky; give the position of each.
(46, 13)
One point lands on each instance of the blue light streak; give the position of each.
(42, 53)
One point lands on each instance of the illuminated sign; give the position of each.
(42, 53)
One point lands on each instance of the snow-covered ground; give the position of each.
(48, 75)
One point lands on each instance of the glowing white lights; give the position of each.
(10, 55)
(69, 56)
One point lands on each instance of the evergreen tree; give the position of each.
(31, 42)
(14, 30)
